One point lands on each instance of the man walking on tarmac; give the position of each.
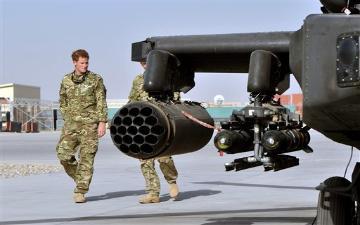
(83, 107)
(166, 163)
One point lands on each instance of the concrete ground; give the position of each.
(209, 195)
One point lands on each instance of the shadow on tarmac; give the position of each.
(183, 195)
(190, 194)
(231, 220)
(255, 185)
(111, 195)
(252, 220)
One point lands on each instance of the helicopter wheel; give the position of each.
(333, 208)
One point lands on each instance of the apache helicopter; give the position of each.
(328, 76)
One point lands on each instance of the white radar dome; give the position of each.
(219, 99)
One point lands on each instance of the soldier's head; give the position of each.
(143, 64)
(80, 59)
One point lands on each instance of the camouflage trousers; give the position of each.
(81, 138)
(167, 167)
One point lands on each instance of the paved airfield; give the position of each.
(209, 195)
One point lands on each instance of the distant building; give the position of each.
(21, 102)
(14, 91)
(292, 101)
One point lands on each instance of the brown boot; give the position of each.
(79, 198)
(174, 191)
(149, 198)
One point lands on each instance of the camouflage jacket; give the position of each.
(137, 92)
(83, 101)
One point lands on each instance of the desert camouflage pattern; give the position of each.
(82, 138)
(166, 163)
(83, 98)
(83, 106)
(138, 94)
(152, 181)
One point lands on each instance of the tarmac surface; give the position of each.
(209, 195)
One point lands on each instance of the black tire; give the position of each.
(335, 209)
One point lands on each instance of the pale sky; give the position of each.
(38, 36)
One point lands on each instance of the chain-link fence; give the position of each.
(31, 115)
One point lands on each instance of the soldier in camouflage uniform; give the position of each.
(83, 107)
(166, 163)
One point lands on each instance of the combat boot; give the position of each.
(149, 198)
(79, 198)
(174, 191)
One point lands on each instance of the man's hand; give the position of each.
(101, 129)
